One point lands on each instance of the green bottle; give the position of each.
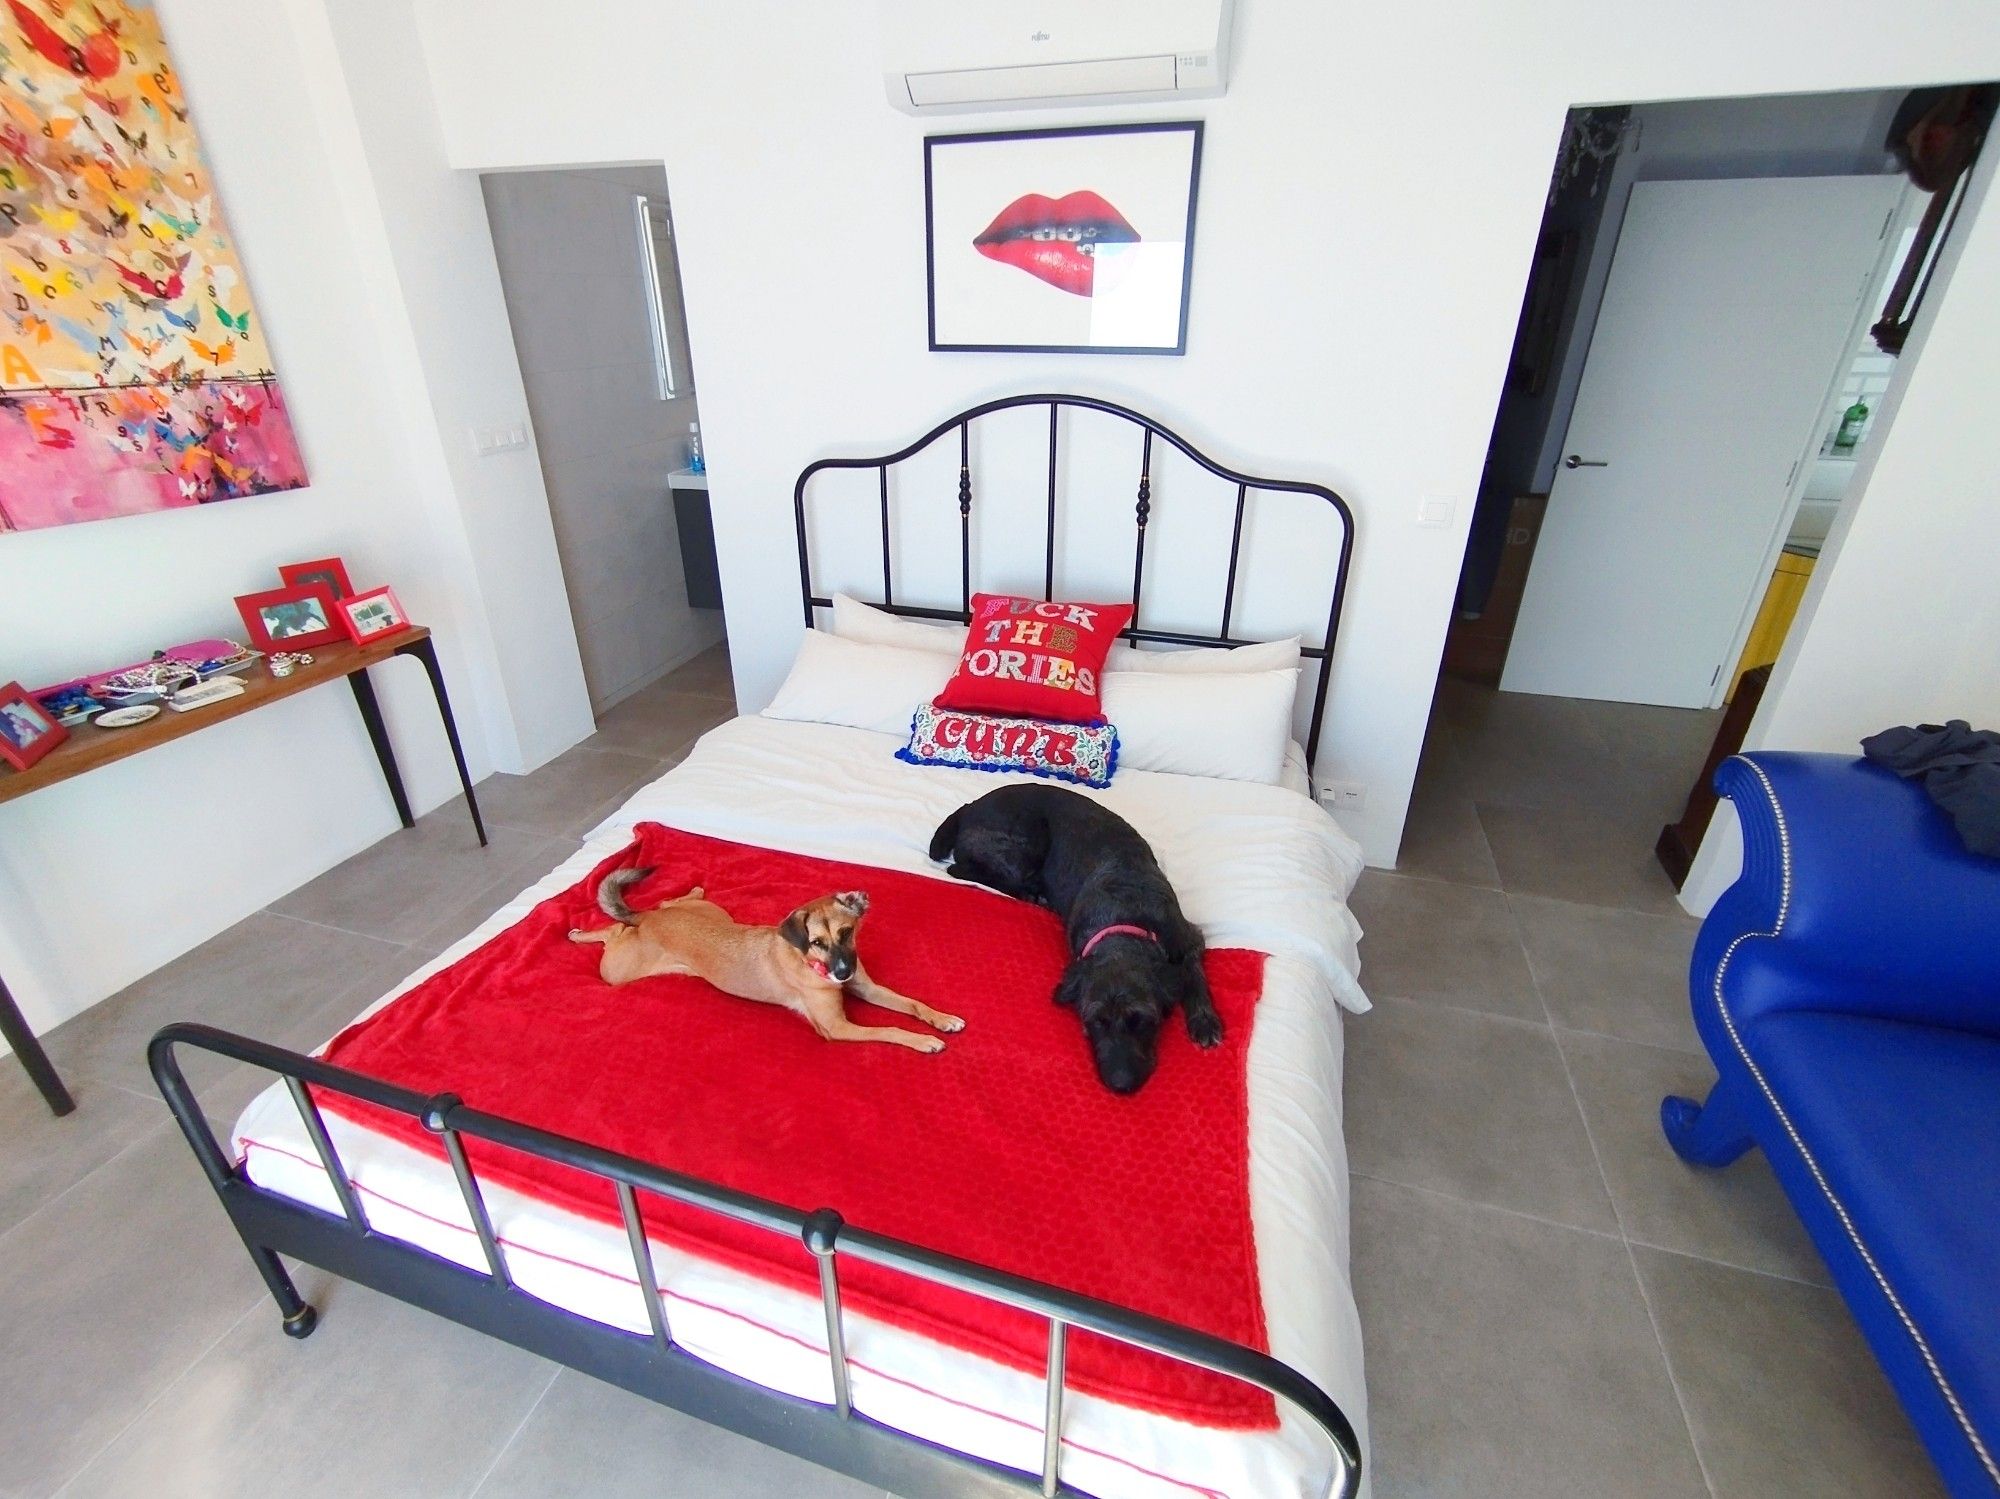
(1852, 421)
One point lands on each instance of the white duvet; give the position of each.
(1255, 866)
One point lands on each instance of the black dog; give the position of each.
(1090, 867)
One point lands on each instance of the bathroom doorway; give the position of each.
(592, 282)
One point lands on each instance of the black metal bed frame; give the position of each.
(1245, 484)
(653, 1365)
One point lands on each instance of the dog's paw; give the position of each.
(938, 1020)
(929, 1045)
(1205, 1030)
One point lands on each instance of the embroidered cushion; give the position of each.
(1084, 753)
(1028, 658)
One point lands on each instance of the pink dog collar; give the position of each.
(1121, 930)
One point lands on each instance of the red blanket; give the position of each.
(1004, 1149)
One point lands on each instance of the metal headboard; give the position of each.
(1142, 511)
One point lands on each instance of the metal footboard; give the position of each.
(653, 1365)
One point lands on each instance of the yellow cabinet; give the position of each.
(1774, 616)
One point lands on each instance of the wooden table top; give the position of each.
(89, 746)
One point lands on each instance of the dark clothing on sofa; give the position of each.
(1960, 768)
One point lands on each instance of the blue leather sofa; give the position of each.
(1847, 988)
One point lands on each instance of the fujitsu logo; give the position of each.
(1039, 36)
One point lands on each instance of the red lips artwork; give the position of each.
(1055, 240)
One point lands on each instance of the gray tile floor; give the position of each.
(1553, 1305)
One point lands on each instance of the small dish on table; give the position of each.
(128, 716)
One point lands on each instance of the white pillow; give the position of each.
(854, 620)
(1232, 725)
(839, 681)
(1265, 655)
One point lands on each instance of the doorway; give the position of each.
(1692, 375)
(1730, 306)
(592, 282)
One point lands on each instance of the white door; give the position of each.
(1725, 316)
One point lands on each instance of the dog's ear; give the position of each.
(793, 929)
(854, 902)
(1072, 983)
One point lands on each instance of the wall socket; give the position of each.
(1343, 796)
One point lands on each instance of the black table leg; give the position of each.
(14, 1026)
(378, 735)
(425, 652)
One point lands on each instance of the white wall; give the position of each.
(1973, 691)
(798, 200)
(432, 221)
(568, 248)
(108, 876)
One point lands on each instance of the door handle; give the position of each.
(1575, 462)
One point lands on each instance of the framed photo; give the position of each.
(328, 570)
(28, 731)
(1073, 241)
(291, 619)
(370, 616)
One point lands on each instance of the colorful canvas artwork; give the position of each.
(134, 375)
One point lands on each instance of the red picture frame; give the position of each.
(328, 570)
(28, 731)
(283, 619)
(365, 619)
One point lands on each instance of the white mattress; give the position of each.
(1255, 866)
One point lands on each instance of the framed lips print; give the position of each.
(1078, 241)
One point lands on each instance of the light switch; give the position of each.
(488, 441)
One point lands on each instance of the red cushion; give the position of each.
(1028, 658)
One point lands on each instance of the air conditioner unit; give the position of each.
(941, 56)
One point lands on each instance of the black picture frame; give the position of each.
(932, 143)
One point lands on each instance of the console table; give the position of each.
(88, 747)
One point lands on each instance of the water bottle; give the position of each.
(695, 463)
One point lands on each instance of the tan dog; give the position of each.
(805, 963)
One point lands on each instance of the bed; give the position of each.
(1258, 866)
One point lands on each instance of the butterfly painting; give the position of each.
(119, 393)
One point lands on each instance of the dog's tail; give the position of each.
(611, 893)
(945, 836)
